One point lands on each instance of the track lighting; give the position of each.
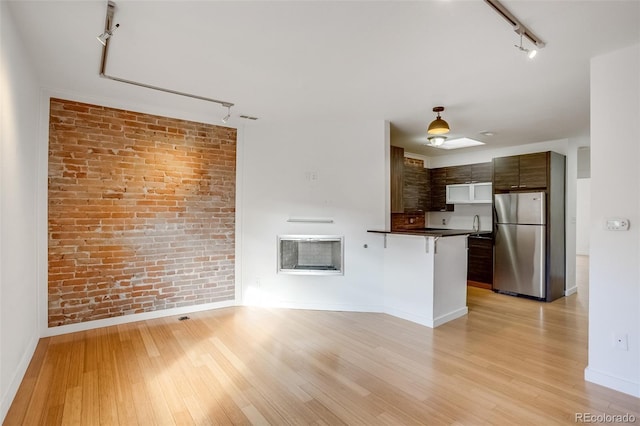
(530, 53)
(518, 28)
(109, 29)
(228, 116)
(438, 126)
(102, 38)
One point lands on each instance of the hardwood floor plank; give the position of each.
(72, 411)
(90, 399)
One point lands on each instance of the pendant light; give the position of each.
(436, 140)
(438, 126)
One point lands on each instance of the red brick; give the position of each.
(137, 220)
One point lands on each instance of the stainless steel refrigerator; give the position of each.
(520, 244)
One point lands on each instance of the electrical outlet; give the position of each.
(444, 221)
(621, 342)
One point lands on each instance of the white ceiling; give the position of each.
(345, 60)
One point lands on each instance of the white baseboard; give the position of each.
(427, 321)
(612, 382)
(450, 316)
(124, 319)
(570, 291)
(418, 319)
(316, 306)
(16, 380)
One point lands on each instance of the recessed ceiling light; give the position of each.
(458, 143)
(487, 133)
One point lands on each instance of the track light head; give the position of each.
(531, 53)
(226, 118)
(102, 38)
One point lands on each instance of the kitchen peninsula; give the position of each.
(425, 274)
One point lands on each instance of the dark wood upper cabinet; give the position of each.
(415, 188)
(528, 171)
(481, 172)
(469, 173)
(410, 189)
(534, 170)
(438, 178)
(397, 179)
(506, 173)
(417, 191)
(458, 174)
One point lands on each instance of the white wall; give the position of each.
(278, 165)
(18, 226)
(462, 217)
(614, 289)
(583, 216)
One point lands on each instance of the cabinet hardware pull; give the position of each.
(523, 186)
(514, 186)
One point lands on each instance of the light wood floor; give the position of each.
(510, 361)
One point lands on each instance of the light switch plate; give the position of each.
(617, 224)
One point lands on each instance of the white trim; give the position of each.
(450, 316)
(42, 213)
(418, 319)
(18, 376)
(125, 319)
(337, 307)
(612, 382)
(570, 291)
(426, 321)
(239, 295)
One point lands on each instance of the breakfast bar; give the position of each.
(425, 274)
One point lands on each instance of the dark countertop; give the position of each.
(436, 232)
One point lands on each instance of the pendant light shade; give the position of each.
(438, 126)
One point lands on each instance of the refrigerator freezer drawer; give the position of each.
(521, 207)
(520, 259)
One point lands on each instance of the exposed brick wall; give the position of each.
(141, 212)
(413, 162)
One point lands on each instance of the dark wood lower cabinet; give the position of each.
(480, 262)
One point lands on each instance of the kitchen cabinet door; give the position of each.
(506, 173)
(397, 179)
(533, 170)
(417, 191)
(480, 261)
(481, 172)
(439, 190)
(458, 174)
(528, 171)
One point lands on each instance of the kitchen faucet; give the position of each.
(476, 223)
